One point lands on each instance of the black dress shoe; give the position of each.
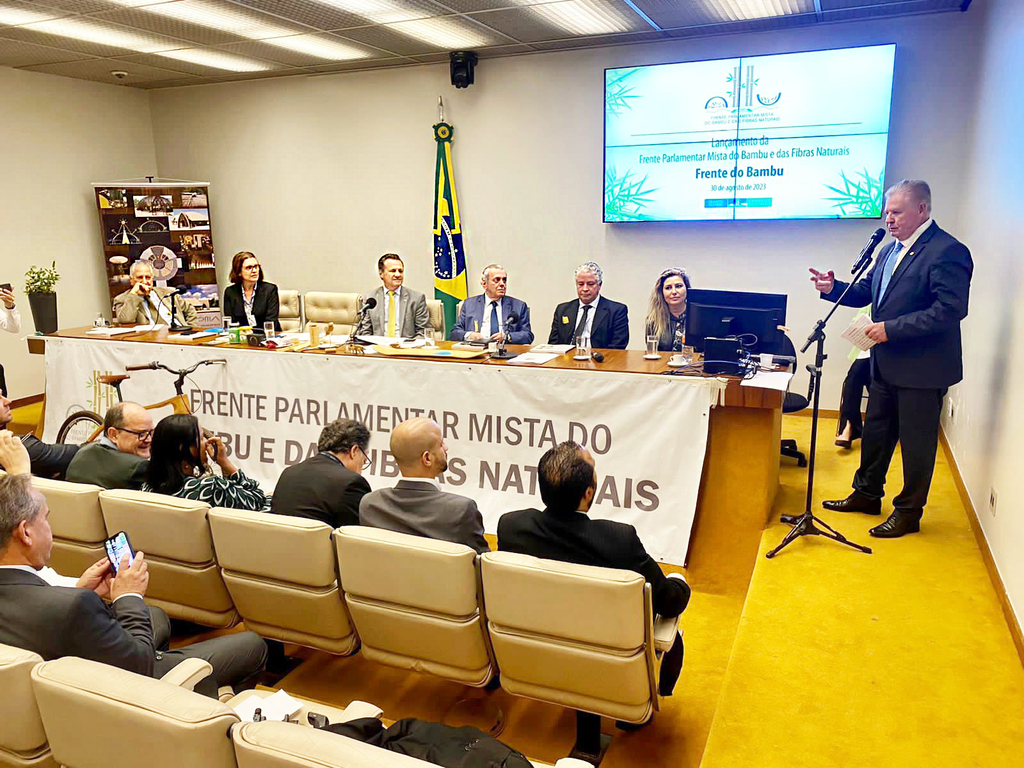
(843, 443)
(899, 523)
(855, 502)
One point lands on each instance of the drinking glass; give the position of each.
(652, 346)
(268, 328)
(226, 324)
(582, 349)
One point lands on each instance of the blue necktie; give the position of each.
(494, 317)
(888, 268)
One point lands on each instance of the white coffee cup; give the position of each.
(767, 360)
(678, 359)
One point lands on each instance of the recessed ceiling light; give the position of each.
(14, 15)
(377, 11)
(94, 31)
(747, 10)
(442, 33)
(322, 48)
(583, 17)
(206, 14)
(218, 60)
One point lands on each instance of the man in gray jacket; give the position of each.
(119, 458)
(417, 505)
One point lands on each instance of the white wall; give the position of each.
(320, 175)
(987, 429)
(59, 135)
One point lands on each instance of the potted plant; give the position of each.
(42, 298)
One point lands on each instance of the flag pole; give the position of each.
(440, 110)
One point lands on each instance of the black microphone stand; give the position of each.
(804, 525)
(354, 338)
(501, 353)
(175, 326)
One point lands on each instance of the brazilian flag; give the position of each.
(449, 258)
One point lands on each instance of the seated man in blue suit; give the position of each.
(478, 319)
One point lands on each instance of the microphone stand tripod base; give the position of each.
(502, 354)
(804, 525)
(176, 328)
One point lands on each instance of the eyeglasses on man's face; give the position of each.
(144, 435)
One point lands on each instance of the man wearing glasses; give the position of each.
(329, 486)
(119, 458)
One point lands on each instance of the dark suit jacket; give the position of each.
(62, 621)
(922, 308)
(573, 537)
(609, 329)
(107, 467)
(320, 488)
(48, 460)
(472, 315)
(418, 508)
(265, 304)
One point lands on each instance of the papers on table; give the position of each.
(769, 380)
(146, 327)
(276, 707)
(109, 331)
(558, 349)
(533, 358)
(855, 332)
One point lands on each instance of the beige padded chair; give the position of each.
(22, 738)
(576, 636)
(436, 309)
(415, 603)
(290, 313)
(342, 309)
(281, 574)
(174, 534)
(76, 522)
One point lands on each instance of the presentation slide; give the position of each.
(788, 136)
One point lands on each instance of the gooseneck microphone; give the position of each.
(869, 248)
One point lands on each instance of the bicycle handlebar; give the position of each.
(155, 365)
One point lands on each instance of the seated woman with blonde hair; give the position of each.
(178, 467)
(666, 310)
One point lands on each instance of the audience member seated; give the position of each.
(249, 300)
(329, 486)
(119, 458)
(485, 316)
(58, 620)
(563, 531)
(10, 317)
(666, 310)
(400, 311)
(178, 467)
(599, 321)
(49, 461)
(146, 304)
(417, 505)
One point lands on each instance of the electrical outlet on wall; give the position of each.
(951, 410)
(993, 497)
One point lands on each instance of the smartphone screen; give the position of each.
(117, 547)
(5, 286)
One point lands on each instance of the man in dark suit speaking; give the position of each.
(599, 321)
(918, 290)
(563, 531)
(58, 621)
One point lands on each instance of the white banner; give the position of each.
(647, 433)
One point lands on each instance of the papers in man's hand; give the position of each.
(558, 349)
(856, 332)
(109, 331)
(532, 358)
(769, 380)
(276, 707)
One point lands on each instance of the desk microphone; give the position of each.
(869, 248)
(368, 304)
(501, 353)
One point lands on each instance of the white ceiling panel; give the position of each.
(14, 53)
(99, 70)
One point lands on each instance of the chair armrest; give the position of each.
(665, 628)
(359, 709)
(189, 673)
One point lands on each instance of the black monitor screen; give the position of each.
(753, 317)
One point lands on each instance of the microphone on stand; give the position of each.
(175, 326)
(501, 353)
(368, 304)
(869, 248)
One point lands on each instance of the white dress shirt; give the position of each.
(10, 319)
(54, 579)
(584, 333)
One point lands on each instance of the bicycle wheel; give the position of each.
(79, 427)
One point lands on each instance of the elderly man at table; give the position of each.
(329, 486)
(56, 621)
(564, 531)
(486, 316)
(47, 460)
(599, 321)
(119, 458)
(417, 505)
(146, 304)
(400, 311)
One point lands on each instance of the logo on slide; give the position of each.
(743, 94)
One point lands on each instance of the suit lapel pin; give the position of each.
(565, 320)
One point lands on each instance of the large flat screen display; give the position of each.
(788, 136)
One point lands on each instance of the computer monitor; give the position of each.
(754, 317)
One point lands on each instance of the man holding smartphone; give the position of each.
(56, 621)
(10, 317)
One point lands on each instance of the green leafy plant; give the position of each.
(859, 197)
(625, 198)
(617, 93)
(41, 279)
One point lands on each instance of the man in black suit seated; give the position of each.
(56, 621)
(329, 486)
(603, 323)
(563, 531)
(48, 460)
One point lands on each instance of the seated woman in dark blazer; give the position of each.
(666, 309)
(249, 300)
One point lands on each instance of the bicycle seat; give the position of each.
(115, 378)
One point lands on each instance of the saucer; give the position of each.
(673, 364)
(652, 357)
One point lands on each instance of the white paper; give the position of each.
(148, 327)
(533, 358)
(855, 333)
(558, 349)
(109, 331)
(275, 707)
(769, 380)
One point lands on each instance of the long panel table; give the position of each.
(738, 480)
